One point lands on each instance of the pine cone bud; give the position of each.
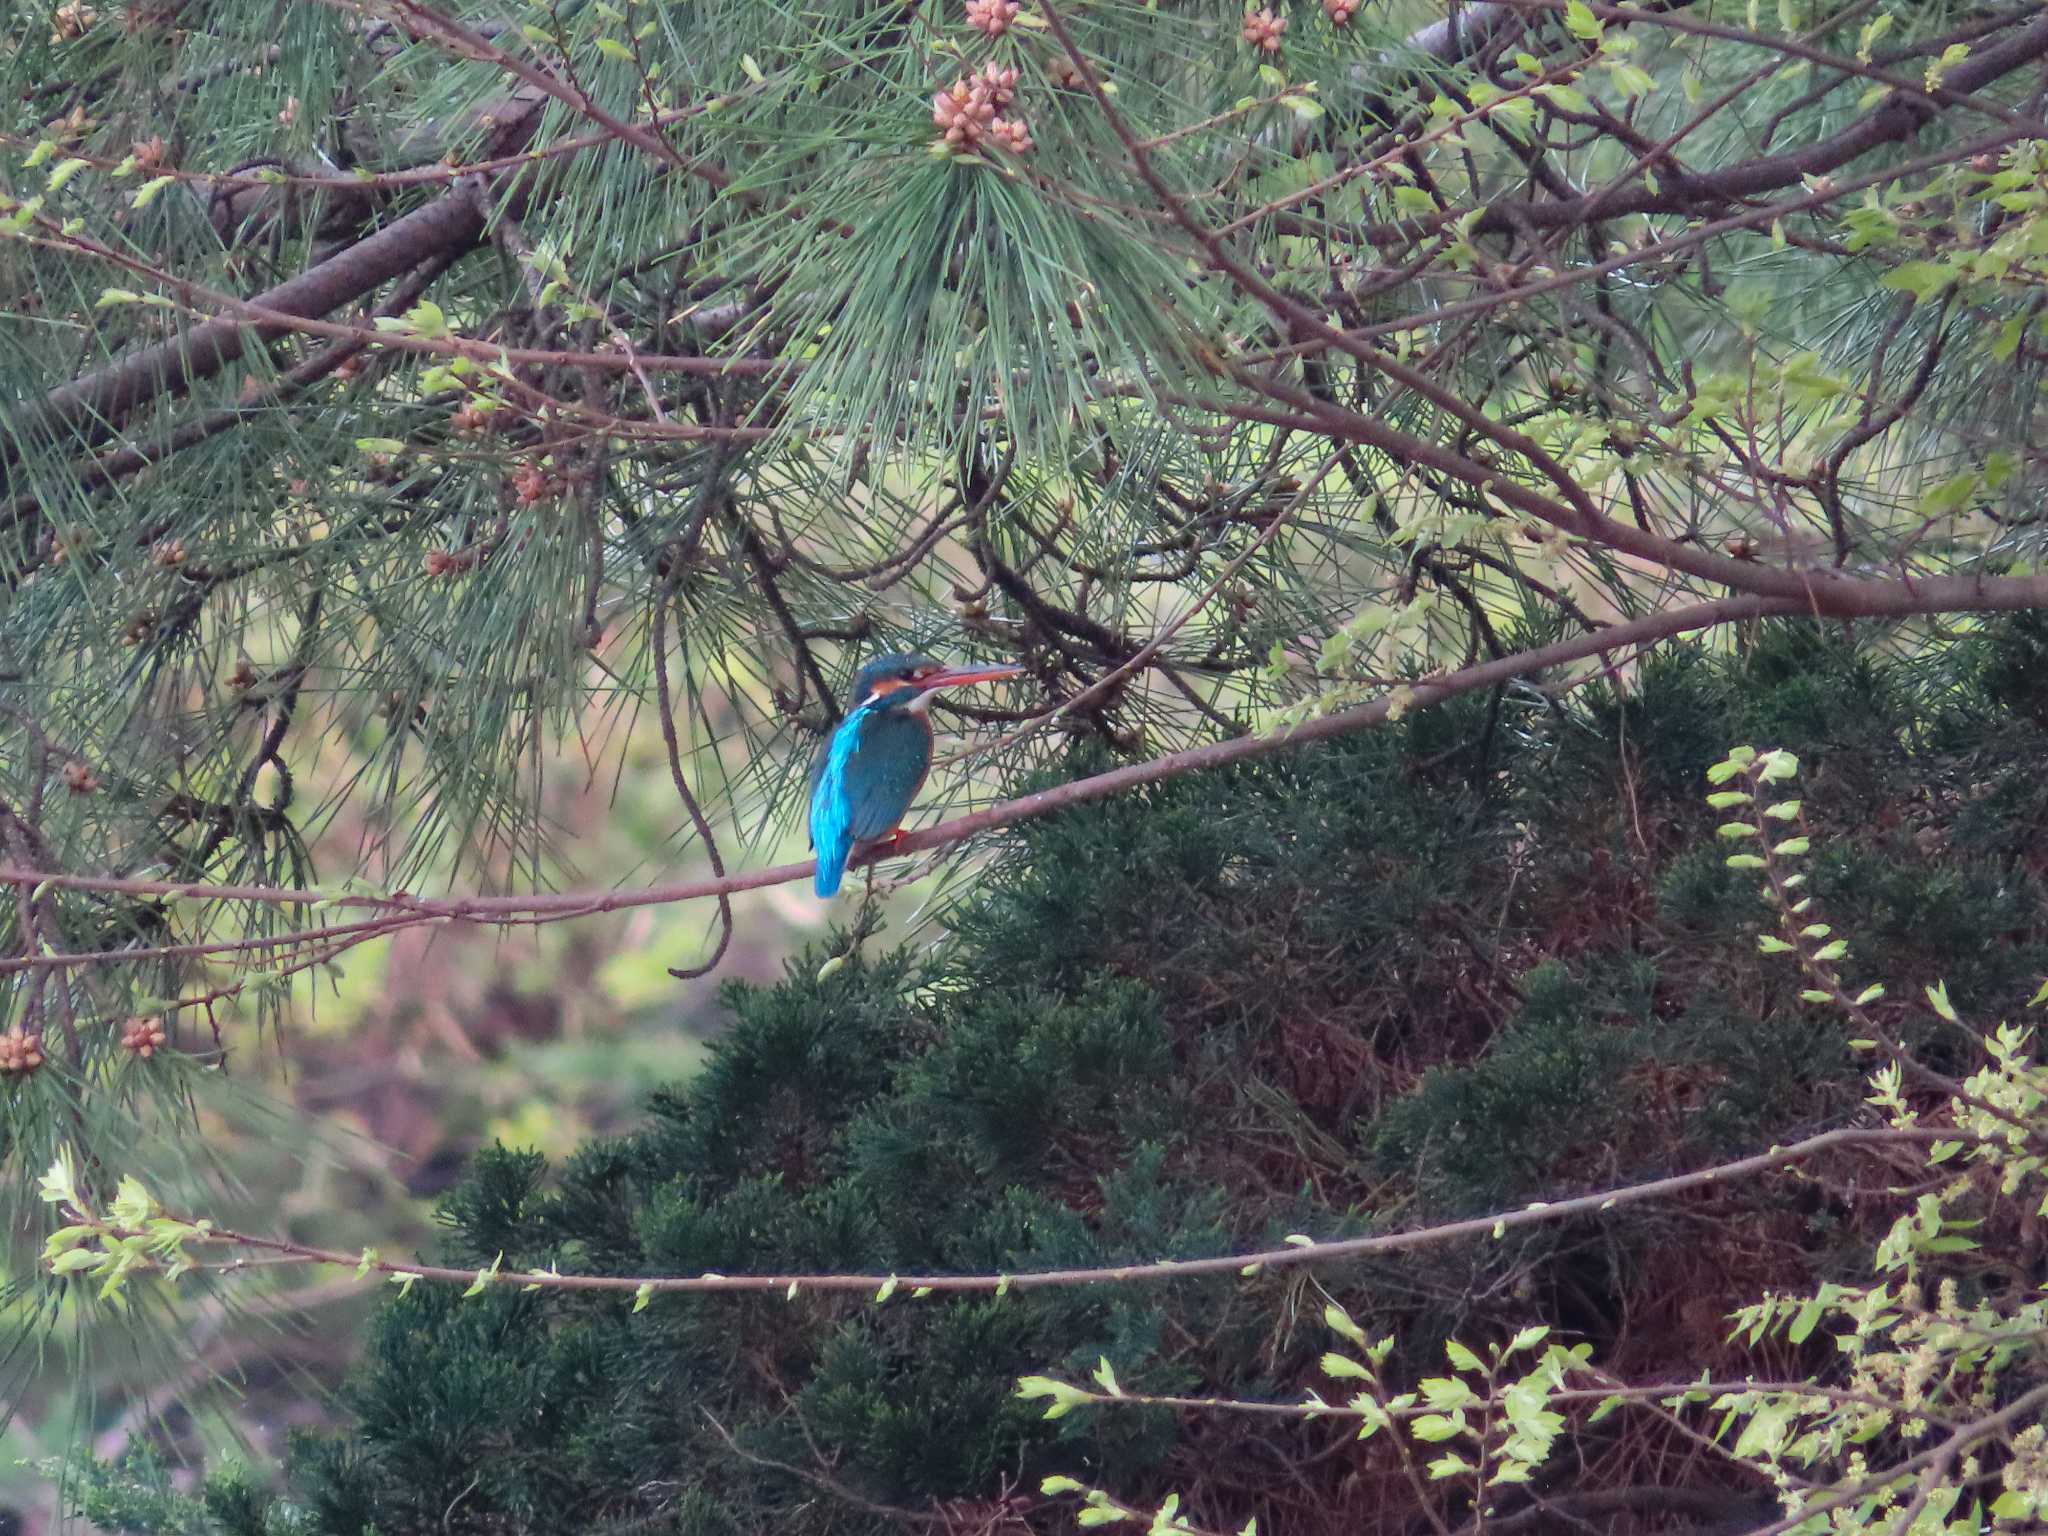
(71, 21)
(1012, 134)
(961, 111)
(999, 85)
(992, 16)
(145, 1037)
(67, 542)
(1262, 29)
(530, 485)
(20, 1053)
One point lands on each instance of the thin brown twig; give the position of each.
(1493, 1227)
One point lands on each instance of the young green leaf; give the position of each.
(484, 1278)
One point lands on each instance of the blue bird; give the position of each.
(870, 768)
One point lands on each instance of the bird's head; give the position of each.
(910, 681)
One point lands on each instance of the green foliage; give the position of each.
(138, 1493)
(1345, 988)
(1298, 352)
(900, 389)
(1932, 1421)
(1482, 1132)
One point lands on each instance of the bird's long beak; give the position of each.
(958, 677)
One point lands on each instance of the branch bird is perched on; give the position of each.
(870, 768)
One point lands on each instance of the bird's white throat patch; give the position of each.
(920, 703)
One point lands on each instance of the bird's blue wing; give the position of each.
(883, 774)
(831, 810)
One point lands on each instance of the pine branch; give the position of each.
(135, 457)
(92, 408)
(1842, 599)
(1904, 113)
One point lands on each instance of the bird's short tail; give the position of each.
(832, 867)
(831, 829)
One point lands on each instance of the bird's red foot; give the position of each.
(870, 849)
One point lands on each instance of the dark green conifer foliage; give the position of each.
(1474, 958)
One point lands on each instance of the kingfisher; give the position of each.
(870, 768)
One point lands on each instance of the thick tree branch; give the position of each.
(132, 458)
(93, 407)
(1897, 118)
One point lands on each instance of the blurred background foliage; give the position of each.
(357, 1110)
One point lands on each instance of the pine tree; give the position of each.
(450, 382)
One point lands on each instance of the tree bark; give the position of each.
(92, 408)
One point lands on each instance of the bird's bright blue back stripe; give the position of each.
(832, 806)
